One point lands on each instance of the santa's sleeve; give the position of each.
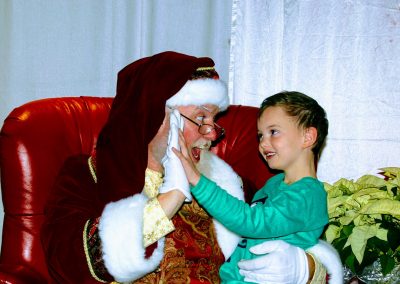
(125, 228)
(121, 235)
(319, 272)
(155, 223)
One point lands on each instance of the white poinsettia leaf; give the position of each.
(359, 237)
(372, 181)
(352, 204)
(333, 191)
(371, 193)
(332, 232)
(363, 205)
(336, 202)
(382, 234)
(384, 206)
(345, 220)
(327, 186)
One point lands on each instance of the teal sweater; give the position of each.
(295, 213)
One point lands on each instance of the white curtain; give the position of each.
(344, 53)
(55, 48)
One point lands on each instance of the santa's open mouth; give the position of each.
(196, 153)
(196, 150)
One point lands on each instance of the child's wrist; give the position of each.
(195, 179)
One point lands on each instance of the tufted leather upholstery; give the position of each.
(35, 140)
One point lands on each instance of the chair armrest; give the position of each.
(18, 274)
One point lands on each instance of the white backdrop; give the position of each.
(345, 54)
(55, 48)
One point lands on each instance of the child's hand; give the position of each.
(192, 174)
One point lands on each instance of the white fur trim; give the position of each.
(120, 231)
(222, 174)
(200, 92)
(330, 258)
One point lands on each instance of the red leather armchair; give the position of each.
(35, 140)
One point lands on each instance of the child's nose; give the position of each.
(264, 143)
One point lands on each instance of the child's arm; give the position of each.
(292, 212)
(285, 215)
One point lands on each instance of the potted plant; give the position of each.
(364, 224)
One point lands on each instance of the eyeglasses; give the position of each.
(205, 129)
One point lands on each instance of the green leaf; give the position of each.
(393, 237)
(350, 262)
(368, 260)
(387, 264)
(394, 190)
(343, 252)
(348, 229)
(377, 245)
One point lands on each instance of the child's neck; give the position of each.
(297, 173)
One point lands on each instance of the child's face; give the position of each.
(280, 139)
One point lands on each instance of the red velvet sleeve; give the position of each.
(71, 204)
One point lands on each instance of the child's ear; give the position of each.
(310, 136)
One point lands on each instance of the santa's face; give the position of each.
(200, 115)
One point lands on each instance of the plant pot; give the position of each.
(373, 275)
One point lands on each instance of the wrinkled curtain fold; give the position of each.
(343, 53)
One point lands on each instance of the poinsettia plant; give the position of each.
(364, 220)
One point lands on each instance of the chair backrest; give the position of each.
(37, 137)
(35, 140)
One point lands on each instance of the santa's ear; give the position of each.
(310, 136)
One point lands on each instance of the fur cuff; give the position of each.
(120, 230)
(329, 257)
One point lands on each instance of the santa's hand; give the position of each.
(280, 263)
(175, 177)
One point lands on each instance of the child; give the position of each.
(291, 206)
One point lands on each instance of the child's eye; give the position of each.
(259, 136)
(274, 132)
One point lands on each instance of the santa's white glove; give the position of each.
(283, 263)
(329, 257)
(175, 177)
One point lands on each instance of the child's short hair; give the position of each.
(307, 111)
